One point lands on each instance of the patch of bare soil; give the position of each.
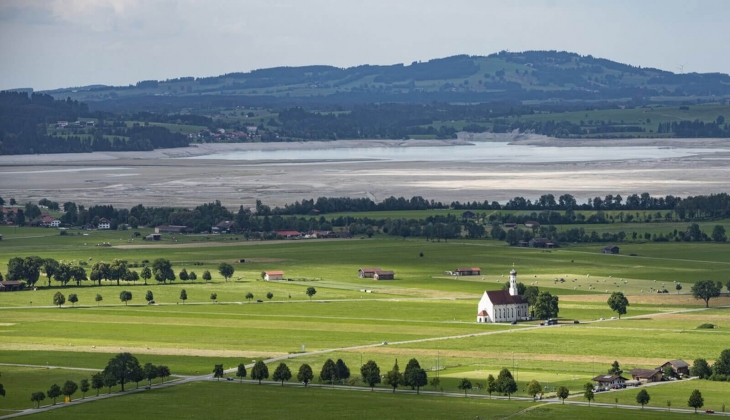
(652, 299)
(142, 350)
(209, 244)
(424, 293)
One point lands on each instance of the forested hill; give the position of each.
(530, 75)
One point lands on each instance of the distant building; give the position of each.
(384, 275)
(472, 271)
(104, 224)
(647, 375)
(610, 249)
(288, 234)
(225, 226)
(171, 229)
(468, 214)
(153, 237)
(679, 367)
(11, 286)
(273, 275)
(503, 305)
(607, 381)
(367, 273)
(541, 243)
(510, 225)
(532, 224)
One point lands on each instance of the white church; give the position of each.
(503, 305)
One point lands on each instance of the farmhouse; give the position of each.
(610, 249)
(153, 237)
(541, 243)
(532, 224)
(607, 381)
(11, 286)
(468, 214)
(510, 225)
(288, 234)
(273, 275)
(171, 229)
(384, 275)
(472, 271)
(503, 305)
(647, 375)
(679, 367)
(104, 224)
(225, 226)
(367, 273)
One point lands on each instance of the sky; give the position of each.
(47, 44)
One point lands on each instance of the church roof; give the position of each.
(502, 297)
(482, 313)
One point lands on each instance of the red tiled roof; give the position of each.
(482, 313)
(469, 269)
(502, 297)
(288, 232)
(275, 273)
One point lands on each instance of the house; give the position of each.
(472, 271)
(323, 234)
(288, 234)
(50, 221)
(646, 375)
(61, 124)
(503, 305)
(384, 275)
(679, 367)
(171, 229)
(273, 275)
(608, 381)
(610, 249)
(541, 243)
(367, 273)
(225, 226)
(468, 215)
(523, 244)
(11, 286)
(532, 224)
(153, 237)
(104, 224)
(510, 225)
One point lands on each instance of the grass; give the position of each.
(715, 394)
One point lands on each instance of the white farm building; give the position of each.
(503, 305)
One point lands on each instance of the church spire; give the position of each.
(513, 282)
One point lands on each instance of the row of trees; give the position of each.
(719, 371)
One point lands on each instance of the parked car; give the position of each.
(710, 411)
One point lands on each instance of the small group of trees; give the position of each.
(68, 389)
(719, 371)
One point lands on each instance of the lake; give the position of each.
(479, 152)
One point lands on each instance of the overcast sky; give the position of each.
(48, 44)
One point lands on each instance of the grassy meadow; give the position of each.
(424, 313)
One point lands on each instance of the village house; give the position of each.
(541, 243)
(11, 286)
(503, 305)
(288, 234)
(104, 224)
(471, 271)
(679, 367)
(647, 375)
(532, 224)
(608, 381)
(225, 226)
(367, 273)
(171, 229)
(153, 237)
(610, 249)
(384, 275)
(468, 215)
(510, 225)
(273, 275)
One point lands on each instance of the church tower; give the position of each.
(513, 282)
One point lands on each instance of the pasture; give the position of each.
(423, 314)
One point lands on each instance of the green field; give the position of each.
(351, 318)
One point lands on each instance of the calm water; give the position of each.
(479, 152)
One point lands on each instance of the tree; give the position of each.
(370, 373)
(269, 296)
(464, 385)
(311, 291)
(546, 305)
(100, 271)
(394, 378)
(59, 299)
(718, 234)
(696, 400)
(241, 371)
(643, 398)
(97, 382)
(118, 270)
(73, 298)
(109, 381)
(668, 371)
(98, 299)
(705, 290)
(678, 287)
(328, 372)
(491, 385)
(183, 296)
(435, 382)
(533, 388)
(54, 392)
(214, 296)
(563, 393)
(506, 383)
(218, 372)
(163, 372)
(226, 270)
(343, 372)
(701, 369)
(162, 270)
(407, 373)
(588, 392)
(282, 373)
(69, 388)
(249, 296)
(28, 269)
(149, 296)
(193, 276)
(722, 364)
(37, 397)
(531, 293)
(615, 369)
(669, 405)
(184, 276)
(146, 274)
(125, 296)
(207, 276)
(84, 387)
(260, 371)
(618, 303)
(50, 266)
(151, 372)
(305, 374)
(121, 367)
